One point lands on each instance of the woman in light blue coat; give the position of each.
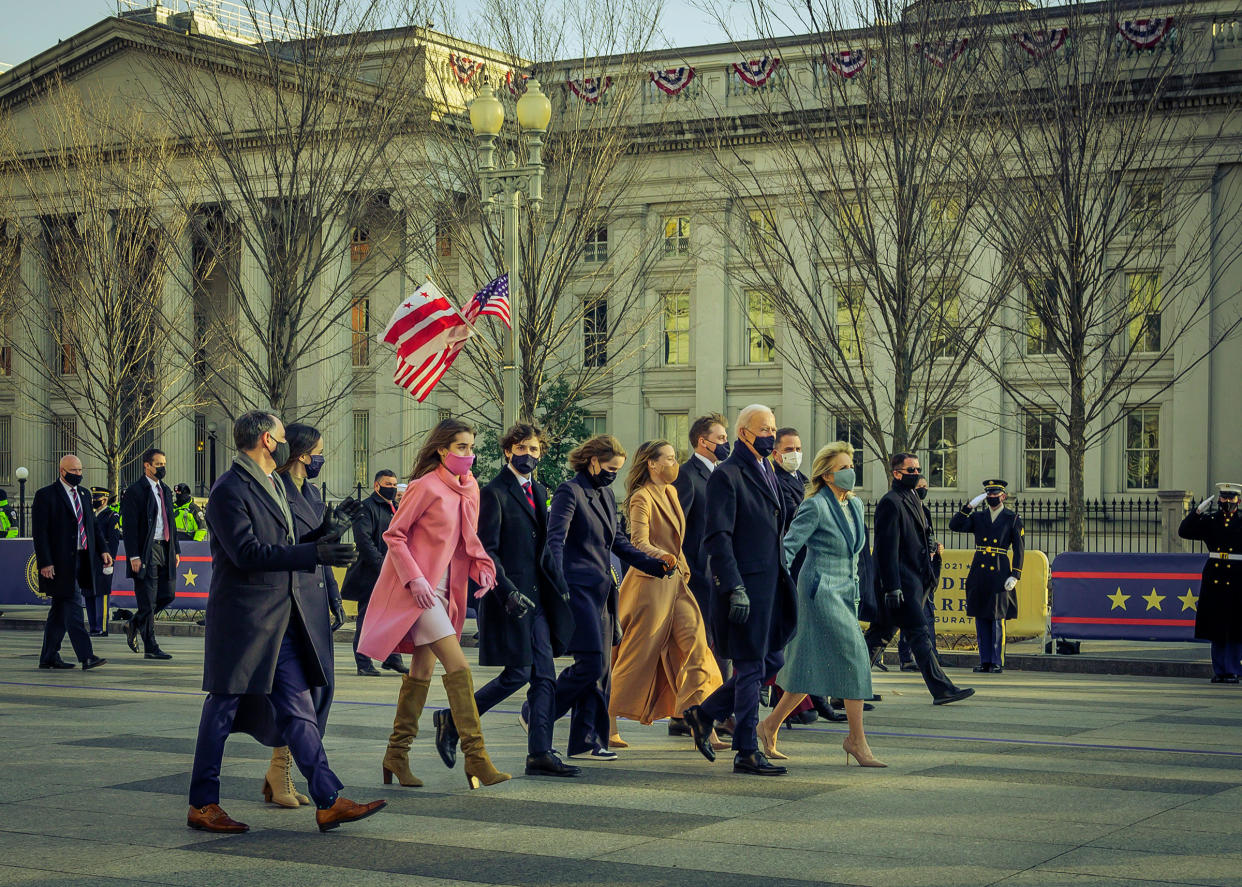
(828, 655)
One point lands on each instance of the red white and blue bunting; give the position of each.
(943, 52)
(589, 89)
(673, 80)
(1041, 44)
(464, 69)
(847, 63)
(518, 86)
(757, 72)
(1146, 32)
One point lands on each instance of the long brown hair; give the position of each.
(640, 473)
(440, 437)
(603, 447)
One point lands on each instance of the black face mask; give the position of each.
(183, 498)
(97, 504)
(524, 463)
(993, 501)
(73, 479)
(281, 453)
(389, 493)
(160, 472)
(908, 481)
(921, 491)
(722, 451)
(765, 446)
(1228, 506)
(605, 478)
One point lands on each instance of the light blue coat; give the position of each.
(828, 655)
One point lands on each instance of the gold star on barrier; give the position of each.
(1190, 601)
(1153, 600)
(1118, 599)
(189, 576)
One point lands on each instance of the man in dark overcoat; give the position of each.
(755, 612)
(67, 544)
(1218, 613)
(152, 550)
(377, 512)
(903, 560)
(257, 647)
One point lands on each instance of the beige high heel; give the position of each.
(717, 743)
(866, 759)
(769, 744)
(278, 781)
(615, 741)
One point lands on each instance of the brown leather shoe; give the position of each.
(212, 819)
(345, 810)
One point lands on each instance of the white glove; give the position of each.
(978, 500)
(1011, 583)
(1206, 504)
(424, 594)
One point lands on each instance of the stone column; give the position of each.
(32, 438)
(1173, 505)
(177, 387)
(333, 372)
(255, 291)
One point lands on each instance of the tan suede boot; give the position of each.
(277, 784)
(289, 786)
(410, 704)
(479, 770)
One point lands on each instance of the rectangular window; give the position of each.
(940, 466)
(849, 223)
(676, 329)
(851, 431)
(64, 437)
(1143, 449)
(944, 216)
(6, 349)
(851, 322)
(359, 244)
(444, 240)
(360, 327)
(596, 247)
(362, 448)
(595, 423)
(1041, 302)
(1144, 311)
(945, 305)
(1146, 209)
(676, 236)
(761, 236)
(6, 449)
(66, 337)
(595, 333)
(443, 415)
(1041, 451)
(200, 453)
(675, 428)
(760, 327)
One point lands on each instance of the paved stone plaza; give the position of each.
(1041, 779)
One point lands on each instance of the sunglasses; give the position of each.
(911, 470)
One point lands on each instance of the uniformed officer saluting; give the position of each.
(1218, 616)
(990, 585)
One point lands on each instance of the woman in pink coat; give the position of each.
(419, 602)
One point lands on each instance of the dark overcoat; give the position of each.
(986, 597)
(369, 532)
(792, 487)
(55, 530)
(516, 538)
(109, 523)
(745, 526)
(691, 487)
(583, 532)
(903, 553)
(1218, 615)
(138, 509)
(253, 601)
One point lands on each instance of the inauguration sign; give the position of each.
(1137, 597)
(1032, 593)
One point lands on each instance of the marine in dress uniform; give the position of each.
(1218, 617)
(991, 584)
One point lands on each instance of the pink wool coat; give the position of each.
(434, 530)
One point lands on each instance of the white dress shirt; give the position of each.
(711, 466)
(159, 508)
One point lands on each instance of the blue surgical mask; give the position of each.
(315, 466)
(844, 479)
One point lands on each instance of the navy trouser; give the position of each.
(153, 592)
(295, 718)
(97, 611)
(911, 618)
(991, 635)
(541, 675)
(1225, 658)
(904, 651)
(64, 616)
(739, 696)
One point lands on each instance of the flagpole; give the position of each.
(509, 358)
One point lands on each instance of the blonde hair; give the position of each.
(822, 465)
(640, 471)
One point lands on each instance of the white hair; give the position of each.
(747, 413)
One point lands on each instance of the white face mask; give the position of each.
(791, 461)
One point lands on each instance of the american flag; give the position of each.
(427, 331)
(492, 300)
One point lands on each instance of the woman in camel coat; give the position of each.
(663, 664)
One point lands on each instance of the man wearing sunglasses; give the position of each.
(1218, 615)
(903, 560)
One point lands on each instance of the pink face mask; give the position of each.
(459, 465)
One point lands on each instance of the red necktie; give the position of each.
(530, 496)
(77, 511)
(163, 512)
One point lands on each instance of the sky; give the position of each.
(31, 27)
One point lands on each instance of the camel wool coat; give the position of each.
(663, 664)
(433, 531)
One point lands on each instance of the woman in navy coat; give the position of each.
(583, 532)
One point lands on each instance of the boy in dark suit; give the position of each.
(152, 549)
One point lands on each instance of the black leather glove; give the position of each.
(655, 567)
(336, 554)
(518, 605)
(338, 520)
(338, 613)
(739, 606)
(894, 599)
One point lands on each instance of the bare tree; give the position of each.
(584, 304)
(96, 330)
(853, 220)
(1104, 195)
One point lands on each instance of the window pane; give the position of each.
(675, 427)
(1143, 449)
(1040, 458)
(941, 467)
(6, 449)
(677, 329)
(677, 236)
(362, 447)
(1040, 300)
(1144, 326)
(360, 327)
(851, 322)
(596, 247)
(760, 328)
(851, 431)
(595, 333)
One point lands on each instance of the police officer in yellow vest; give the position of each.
(8, 518)
(188, 517)
(991, 584)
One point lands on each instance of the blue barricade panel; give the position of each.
(1136, 597)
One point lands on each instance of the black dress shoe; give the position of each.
(756, 764)
(156, 654)
(93, 662)
(677, 727)
(56, 663)
(996, 669)
(446, 736)
(700, 725)
(99, 634)
(1231, 679)
(597, 753)
(548, 764)
(131, 635)
(394, 665)
(909, 666)
(368, 671)
(956, 696)
(982, 669)
(726, 727)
